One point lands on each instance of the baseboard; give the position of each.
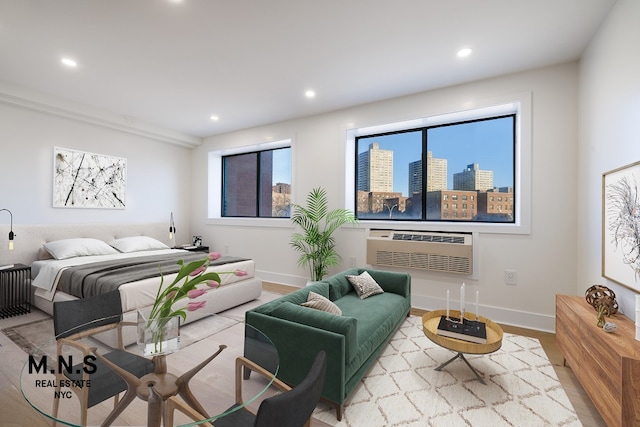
(505, 316)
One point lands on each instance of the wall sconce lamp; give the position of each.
(11, 235)
(172, 227)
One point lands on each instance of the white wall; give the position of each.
(158, 173)
(545, 260)
(599, 98)
(610, 133)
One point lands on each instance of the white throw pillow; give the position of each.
(137, 243)
(319, 302)
(365, 285)
(70, 248)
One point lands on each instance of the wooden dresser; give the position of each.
(606, 364)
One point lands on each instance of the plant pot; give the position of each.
(158, 336)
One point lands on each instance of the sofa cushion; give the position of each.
(342, 325)
(319, 302)
(339, 285)
(365, 285)
(297, 297)
(377, 318)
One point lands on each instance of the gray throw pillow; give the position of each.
(365, 285)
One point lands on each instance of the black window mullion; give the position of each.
(258, 178)
(425, 147)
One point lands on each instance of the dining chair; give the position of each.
(77, 320)
(291, 408)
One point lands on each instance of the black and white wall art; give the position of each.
(621, 225)
(88, 180)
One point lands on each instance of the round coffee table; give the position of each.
(430, 323)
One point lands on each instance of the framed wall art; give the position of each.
(621, 225)
(88, 180)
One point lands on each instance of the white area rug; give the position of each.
(403, 388)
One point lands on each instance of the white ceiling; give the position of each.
(175, 63)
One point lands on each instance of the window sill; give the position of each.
(451, 227)
(252, 222)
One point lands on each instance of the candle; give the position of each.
(477, 299)
(447, 304)
(462, 302)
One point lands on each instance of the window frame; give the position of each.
(520, 104)
(424, 136)
(258, 208)
(214, 178)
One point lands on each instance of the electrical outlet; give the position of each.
(510, 277)
(352, 261)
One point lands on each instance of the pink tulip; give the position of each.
(195, 305)
(195, 293)
(214, 256)
(212, 283)
(240, 273)
(197, 271)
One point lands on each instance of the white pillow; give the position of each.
(319, 302)
(137, 243)
(70, 248)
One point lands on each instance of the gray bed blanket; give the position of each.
(100, 277)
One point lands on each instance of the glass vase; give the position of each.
(159, 335)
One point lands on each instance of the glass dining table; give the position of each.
(201, 373)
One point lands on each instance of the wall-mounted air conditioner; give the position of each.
(423, 250)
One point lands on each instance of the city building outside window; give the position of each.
(257, 184)
(411, 174)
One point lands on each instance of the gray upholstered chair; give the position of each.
(292, 408)
(82, 318)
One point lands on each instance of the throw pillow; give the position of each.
(365, 285)
(319, 302)
(137, 243)
(70, 248)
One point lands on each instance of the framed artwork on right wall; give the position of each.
(621, 225)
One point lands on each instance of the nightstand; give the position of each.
(194, 248)
(15, 290)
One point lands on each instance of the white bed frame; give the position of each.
(30, 238)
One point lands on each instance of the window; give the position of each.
(410, 174)
(257, 184)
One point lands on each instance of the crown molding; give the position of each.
(98, 118)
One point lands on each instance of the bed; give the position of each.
(73, 248)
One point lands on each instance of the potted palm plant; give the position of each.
(316, 242)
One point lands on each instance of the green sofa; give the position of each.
(352, 341)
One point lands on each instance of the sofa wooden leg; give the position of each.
(338, 411)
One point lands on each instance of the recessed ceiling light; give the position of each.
(310, 94)
(464, 52)
(69, 62)
(214, 118)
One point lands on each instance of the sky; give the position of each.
(488, 143)
(282, 166)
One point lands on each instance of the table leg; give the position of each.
(183, 383)
(461, 356)
(154, 408)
